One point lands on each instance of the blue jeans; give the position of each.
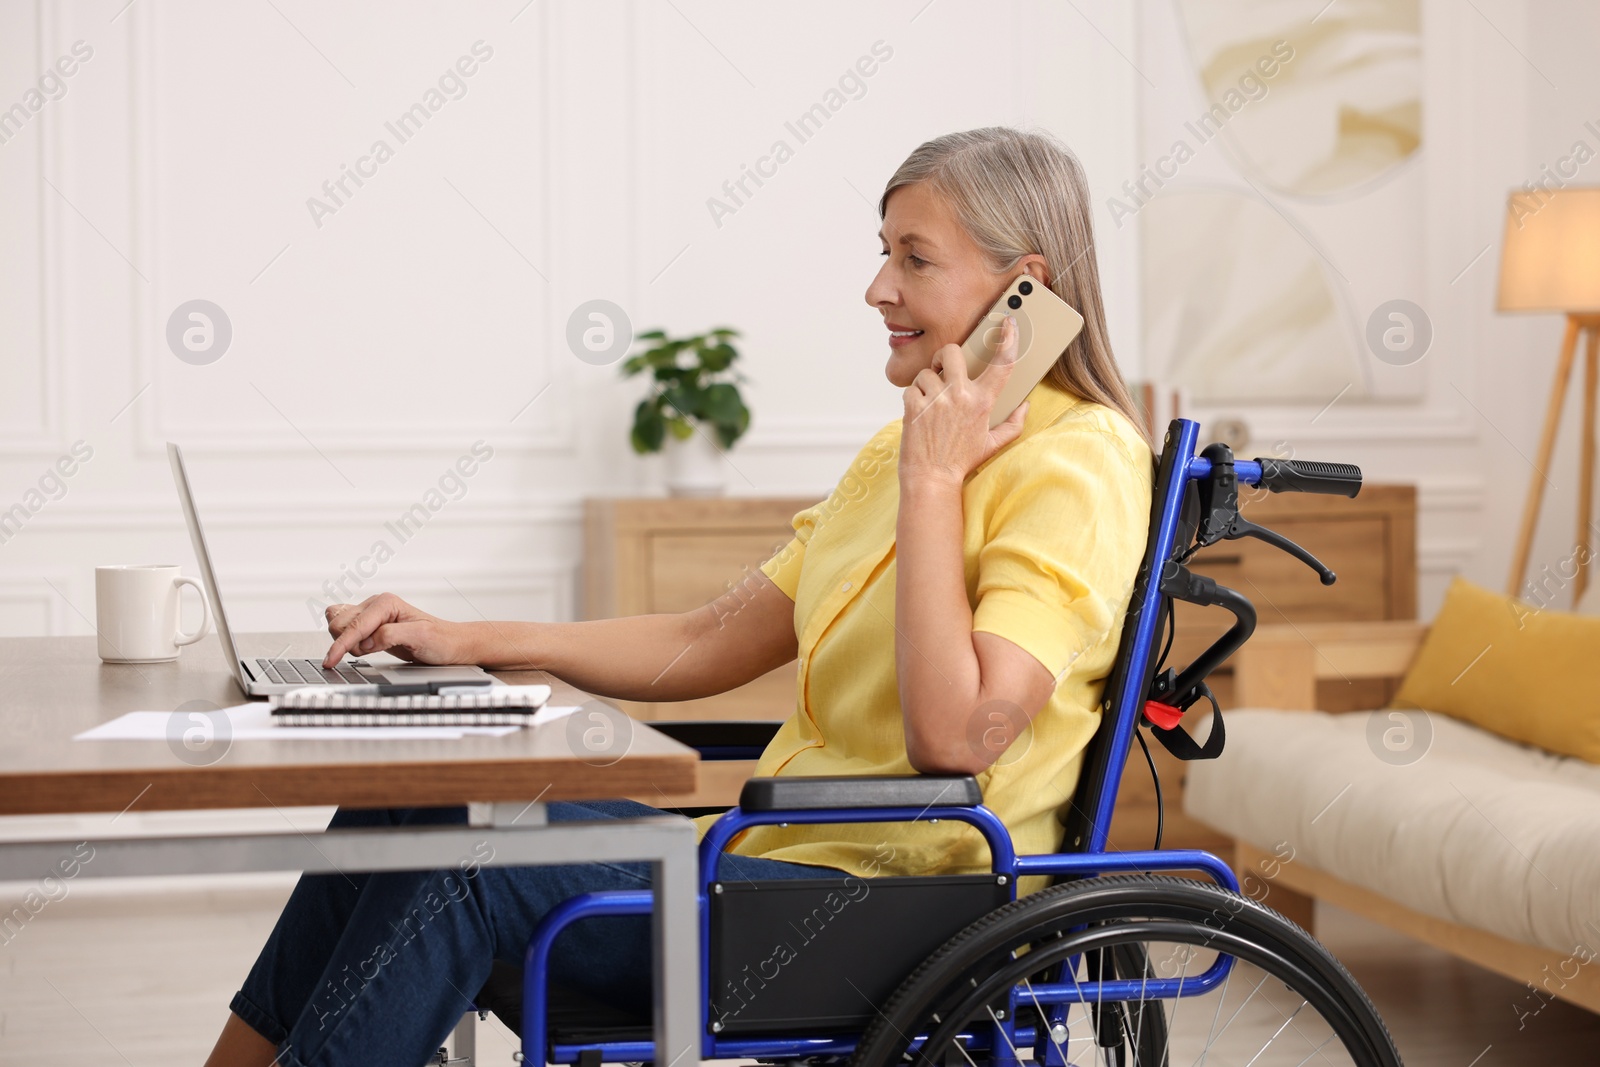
(379, 968)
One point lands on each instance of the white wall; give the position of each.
(429, 310)
(371, 351)
(1507, 86)
(1559, 94)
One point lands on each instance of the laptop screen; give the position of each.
(198, 538)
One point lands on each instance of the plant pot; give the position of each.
(695, 466)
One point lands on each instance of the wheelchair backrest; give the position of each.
(1174, 509)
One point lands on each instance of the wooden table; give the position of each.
(54, 688)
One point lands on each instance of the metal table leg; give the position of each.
(518, 834)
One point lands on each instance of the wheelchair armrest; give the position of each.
(847, 791)
(729, 740)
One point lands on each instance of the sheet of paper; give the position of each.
(253, 722)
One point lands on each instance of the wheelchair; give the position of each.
(1119, 960)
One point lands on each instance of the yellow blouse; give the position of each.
(1055, 526)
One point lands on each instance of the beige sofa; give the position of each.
(1478, 845)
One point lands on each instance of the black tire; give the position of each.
(1116, 917)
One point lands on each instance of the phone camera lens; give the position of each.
(1014, 302)
(1025, 288)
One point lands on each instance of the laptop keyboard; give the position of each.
(312, 672)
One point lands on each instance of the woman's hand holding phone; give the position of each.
(945, 433)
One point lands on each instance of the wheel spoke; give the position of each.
(1316, 1051)
(997, 1025)
(1177, 1001)
(1286, 1024)
(956, 1041)
(1210, 1034)
(1099, 994)
(1299, 1031)
(1044, 1019)
(1138, 1026)
(1235, 1014)
(1093, 1037)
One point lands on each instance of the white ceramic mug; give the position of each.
(137, 610)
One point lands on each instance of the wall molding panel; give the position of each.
(289, 513)
(510, 429)
(49, 437)
(586, 190)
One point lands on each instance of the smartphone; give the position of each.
(1046, 325)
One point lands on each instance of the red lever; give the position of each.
(1164, 716)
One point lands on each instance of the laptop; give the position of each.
(262, 677)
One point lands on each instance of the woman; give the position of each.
(955, 605)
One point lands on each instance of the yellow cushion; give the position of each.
(1511, 668)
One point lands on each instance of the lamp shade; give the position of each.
(1550, 259)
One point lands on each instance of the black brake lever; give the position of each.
(1242, 527)
(1219, 497)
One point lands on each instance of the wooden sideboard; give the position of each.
(660, 554)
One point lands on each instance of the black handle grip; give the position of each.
(1310, 476)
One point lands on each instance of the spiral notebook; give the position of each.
(500, 705)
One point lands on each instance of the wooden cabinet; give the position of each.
(657, 555)
(1370, 543)
(665, 555)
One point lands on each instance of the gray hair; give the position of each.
(1018, 193)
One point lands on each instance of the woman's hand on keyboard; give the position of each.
(385, 623)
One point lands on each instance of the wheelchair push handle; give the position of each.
(1218, 476)
(1310, 476)
(1217, 517)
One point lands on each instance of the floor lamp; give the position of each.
(1550, 262)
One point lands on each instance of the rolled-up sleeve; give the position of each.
(784, 565)
(1062, 546)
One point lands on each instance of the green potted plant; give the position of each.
(693, 381)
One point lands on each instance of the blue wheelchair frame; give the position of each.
(1125, 697)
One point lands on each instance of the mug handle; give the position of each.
(205, 613)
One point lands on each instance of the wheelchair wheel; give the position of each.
(1285, 1000)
